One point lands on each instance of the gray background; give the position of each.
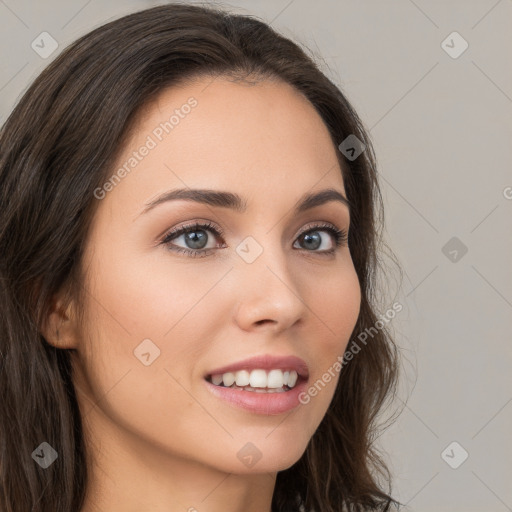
(442, 131)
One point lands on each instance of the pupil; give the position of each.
(197, 239)
(313, 240)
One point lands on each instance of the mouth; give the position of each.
(259, 380)
(264, 384)
(258, 397)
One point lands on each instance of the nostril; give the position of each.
(259, 322)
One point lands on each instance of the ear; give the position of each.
(60, 328)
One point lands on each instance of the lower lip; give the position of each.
(260, 403)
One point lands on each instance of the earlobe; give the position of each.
(60, 328)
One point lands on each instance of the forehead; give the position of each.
(258, 139)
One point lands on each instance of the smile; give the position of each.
(258, 380)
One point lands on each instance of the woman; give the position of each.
(189, 235)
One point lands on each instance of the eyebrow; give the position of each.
(223, 199)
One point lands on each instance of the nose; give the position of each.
(269, 293)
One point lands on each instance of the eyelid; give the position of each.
(207, 224)
(189, 226)
(317, 224)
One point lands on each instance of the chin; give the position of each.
(265, 459)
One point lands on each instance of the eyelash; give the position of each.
(339, 235)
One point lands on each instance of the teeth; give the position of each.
(275, 379)
(267, 390)
(257, 380)
(217, 379)
(228, 379)
(242, 378)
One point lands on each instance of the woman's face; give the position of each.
(160, 320)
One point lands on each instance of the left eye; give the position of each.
(196, 239)
(313, 240)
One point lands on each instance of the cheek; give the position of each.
(336, 305)
(143, 296)
(147, 328)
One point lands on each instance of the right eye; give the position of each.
(195, 238)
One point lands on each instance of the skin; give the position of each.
(157, 438)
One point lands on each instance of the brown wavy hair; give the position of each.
(58, 145)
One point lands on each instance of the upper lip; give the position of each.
(266, 362)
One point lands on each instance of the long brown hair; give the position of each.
(59, 145)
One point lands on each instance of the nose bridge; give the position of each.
(268, 289)
(263, 257)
